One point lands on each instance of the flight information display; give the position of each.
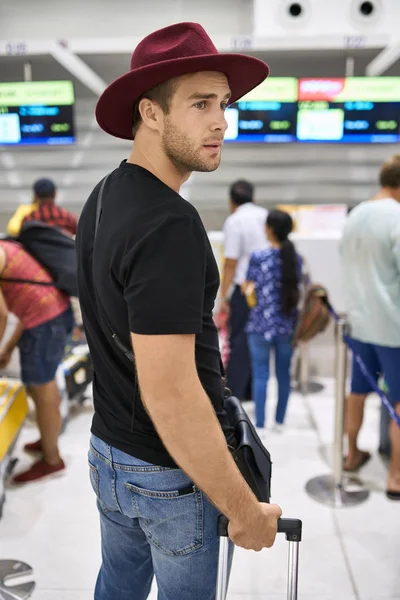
(37, 112)
(266, 114)
(352, 109)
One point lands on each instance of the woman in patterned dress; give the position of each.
(273, 280)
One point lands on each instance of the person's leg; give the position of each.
(238, 371)
(41, 351)
(390, 361)
(393, 483)
(356, 458)
(283, 357)
(360, 388)
(260, 355)
(126, 571)
(47, 402)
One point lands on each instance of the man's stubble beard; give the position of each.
(179, 149)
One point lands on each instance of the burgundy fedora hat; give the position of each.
(175, 50)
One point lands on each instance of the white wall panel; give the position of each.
(53, 19)
(325, 17)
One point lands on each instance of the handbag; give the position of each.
(252, 458)
(250, 294)
(314, 317)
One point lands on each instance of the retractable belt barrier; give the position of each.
(349, 342)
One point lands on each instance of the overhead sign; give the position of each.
(341, 89)
(37, 112)
(36, 92)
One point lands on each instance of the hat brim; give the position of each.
(114, 107)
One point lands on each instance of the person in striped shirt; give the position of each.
(44, 209)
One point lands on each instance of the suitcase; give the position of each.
(254, 462)
(292, 528)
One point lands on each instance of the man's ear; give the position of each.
(151, 114)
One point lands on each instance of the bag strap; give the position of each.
(99, 205)
(29, 281)
(99, 209)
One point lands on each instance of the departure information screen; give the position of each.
(37, 112)
(266, 114)
(352, 109)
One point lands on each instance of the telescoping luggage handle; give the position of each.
(292, 528)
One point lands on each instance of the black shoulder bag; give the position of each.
(251, 456)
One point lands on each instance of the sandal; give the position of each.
(392, 495)
(365, 458)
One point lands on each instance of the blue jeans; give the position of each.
(260, 350)
(154, 522)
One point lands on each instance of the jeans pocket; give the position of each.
(171, 520)
(94, 479)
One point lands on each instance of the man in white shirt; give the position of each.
(244, 233)
(371, 269)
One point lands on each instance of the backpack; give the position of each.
(314, 316)
(54, 251)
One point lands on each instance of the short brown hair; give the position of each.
(162, 94)
(390, 173)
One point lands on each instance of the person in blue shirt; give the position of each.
(273, 279)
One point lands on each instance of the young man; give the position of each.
(371, 264)
(244, 233)
(44, 321)
(159, 458)
(43, 208)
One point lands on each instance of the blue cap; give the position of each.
(44, 188)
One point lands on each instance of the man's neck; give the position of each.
(243, 206)
(385, 193)
(157, 162)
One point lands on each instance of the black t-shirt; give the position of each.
(155, 273)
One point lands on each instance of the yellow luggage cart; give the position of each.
(13, 412)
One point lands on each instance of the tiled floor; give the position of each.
(347, 554)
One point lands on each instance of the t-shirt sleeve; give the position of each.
(232, 240)
(164, 279)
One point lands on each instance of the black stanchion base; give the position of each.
(12, 571)
(311, 387)
(324, 490)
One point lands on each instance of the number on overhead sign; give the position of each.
(242, 43)
(355, 41)
(16, 48)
